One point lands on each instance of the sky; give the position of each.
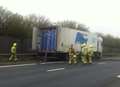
(99, 15)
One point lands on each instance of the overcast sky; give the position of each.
(100, 15)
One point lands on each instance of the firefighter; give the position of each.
(90, 54)
(13, 52)
(84, 53)
(72, 55)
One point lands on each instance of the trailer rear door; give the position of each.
(48, 41)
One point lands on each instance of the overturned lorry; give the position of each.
(57, 40)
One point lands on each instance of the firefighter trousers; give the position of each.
(72, 60)
(13, 57)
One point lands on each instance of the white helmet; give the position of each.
(74, 56)
(14, 44)
(83, 45)
(91, 46)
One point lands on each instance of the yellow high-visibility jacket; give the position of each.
(90, 51)
(13, 49)
(71, 51)
(84, 50)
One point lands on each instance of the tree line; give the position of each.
(111, 44)
(16, 25)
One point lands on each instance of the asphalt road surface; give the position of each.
(99, 74)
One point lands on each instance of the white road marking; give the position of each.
(51, 62)
(55, 69)
(42, 63)
(118, 76)
(102, 63)
(17, 65)
(6, 66)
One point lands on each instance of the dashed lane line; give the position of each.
(102, 63)
(51, 62)
(118, 76)
(51, 70)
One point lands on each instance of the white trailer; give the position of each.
(59, 39)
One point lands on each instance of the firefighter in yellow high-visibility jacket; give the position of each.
(13, 52)
(72, 55)
(84, 53)
(90, 53)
